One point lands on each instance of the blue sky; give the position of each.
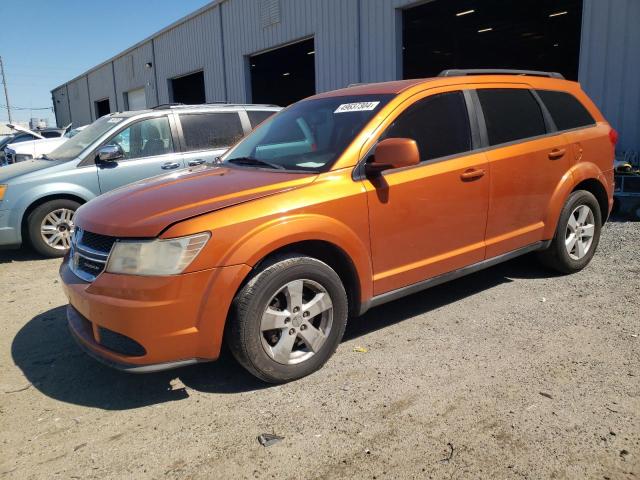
(47, 42)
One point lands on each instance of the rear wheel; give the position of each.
(577, 234)
(50, 226)
(288, 319)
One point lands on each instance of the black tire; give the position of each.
(243, 333)
(34, 223)
(556, 255)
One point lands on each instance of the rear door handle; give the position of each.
(557, 153)
(170, 165)
(195, 163)
(472, 174)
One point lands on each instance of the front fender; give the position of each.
(35, 193)
(256, 244)
(578, 173)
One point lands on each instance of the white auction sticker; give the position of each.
(356, 107)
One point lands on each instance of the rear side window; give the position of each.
(511, 114)
(256, 117)
(439, 124)
(565, 109)
(203, 131)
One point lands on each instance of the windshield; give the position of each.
(309, 135)
(75, 145)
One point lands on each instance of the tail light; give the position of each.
(613, 136)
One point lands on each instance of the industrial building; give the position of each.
(279, 51)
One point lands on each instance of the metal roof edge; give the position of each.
(180, 21)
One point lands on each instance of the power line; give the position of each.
(26, 108)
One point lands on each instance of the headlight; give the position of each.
(3, 189)
(155, 257)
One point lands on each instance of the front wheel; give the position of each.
(50, 226)
(577, 234)
(288, 319)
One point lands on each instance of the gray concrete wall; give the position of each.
(130, 73)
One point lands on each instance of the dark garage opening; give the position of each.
(102, 108)
(523, 34)
(284, 75)
(188, 89)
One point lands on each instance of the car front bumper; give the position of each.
(144, 324)
(9, 234)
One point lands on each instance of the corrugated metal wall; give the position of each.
(610, 64)
(61, 104)
(80, 106)
(189, 47)
(130, 73)
(355, 41)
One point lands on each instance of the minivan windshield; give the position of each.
(309, 135)
(74, 146)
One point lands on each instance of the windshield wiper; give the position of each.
(254, 161)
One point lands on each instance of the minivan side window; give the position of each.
(146, 138)
(204, 131)
(256, 117)
(565, 109)
(439, 124)
(511, 114)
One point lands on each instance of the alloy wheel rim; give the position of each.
(580, 232)
(56, 228)
(296, 322)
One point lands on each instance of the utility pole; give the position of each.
(6, 93)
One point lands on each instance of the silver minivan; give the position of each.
(38, 197)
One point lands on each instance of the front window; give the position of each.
(308, 136)
(147, 138)
(76, 145)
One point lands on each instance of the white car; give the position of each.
(19, 152)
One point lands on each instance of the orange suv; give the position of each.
(341, 202)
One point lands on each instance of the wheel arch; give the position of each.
(583, 176)
(44, 199)
(332, 255)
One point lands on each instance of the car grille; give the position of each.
(89, 253)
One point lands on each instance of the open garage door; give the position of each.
(102, 108)
(188, 89)
(283, 75)
(522, 34)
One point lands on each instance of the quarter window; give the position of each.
(204, 131)
(256, 117)
(565, 109)
(511, 114)
(147, 138)
(439, 124)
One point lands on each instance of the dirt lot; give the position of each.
(508, 373)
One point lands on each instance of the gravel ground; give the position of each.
(508, 373)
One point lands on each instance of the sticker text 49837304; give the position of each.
(356, 107)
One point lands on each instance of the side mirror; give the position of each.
(393, 153)
(110, 153)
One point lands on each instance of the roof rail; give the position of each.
(163, 106)
(504, 71)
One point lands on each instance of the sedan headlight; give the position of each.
(156, 257)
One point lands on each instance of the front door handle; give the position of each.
(557, 153)
(472, 174)
(170, 165)
(195, 163)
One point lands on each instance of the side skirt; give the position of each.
(445, 277)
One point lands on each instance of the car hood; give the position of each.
(21, 168)
(146, 208)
